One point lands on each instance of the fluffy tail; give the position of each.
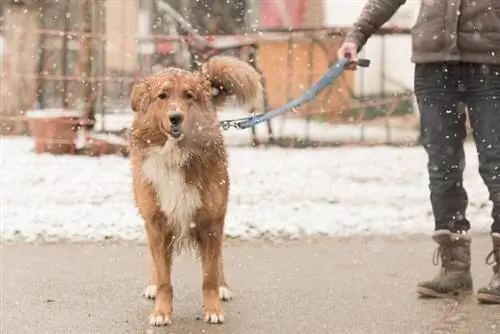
(229, 76)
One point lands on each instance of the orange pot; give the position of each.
(54, 130)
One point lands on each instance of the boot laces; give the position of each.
(442, 254)
(436, 256)
(493, 256)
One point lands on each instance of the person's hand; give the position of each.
(349, 50)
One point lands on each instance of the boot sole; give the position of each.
(485, 298)
(429, 293)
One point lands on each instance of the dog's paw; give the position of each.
(225, 294)
(150, 291)
(159, 318)
(214, 316)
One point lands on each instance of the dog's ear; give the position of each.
(229, 76)
(140, 96)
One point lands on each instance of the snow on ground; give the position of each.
(333, 191)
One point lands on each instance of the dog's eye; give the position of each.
(190, 95)
(162, 96)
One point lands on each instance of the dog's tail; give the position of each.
(229, 76)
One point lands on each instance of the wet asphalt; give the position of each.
(344, 285)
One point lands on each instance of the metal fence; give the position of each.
(86, 55)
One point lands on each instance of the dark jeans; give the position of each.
(442, 91)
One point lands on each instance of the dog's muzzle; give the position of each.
(175, 118)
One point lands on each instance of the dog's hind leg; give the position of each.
(224, 292)
(255, 140)
(270, 132)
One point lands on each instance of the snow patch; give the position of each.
(330, 191)
(110, 138)
(53, 113)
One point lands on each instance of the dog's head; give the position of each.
(180, 106)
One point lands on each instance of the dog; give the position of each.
(180, 172)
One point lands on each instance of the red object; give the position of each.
(165, 47)
(271, 17)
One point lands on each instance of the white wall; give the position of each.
(396, 65)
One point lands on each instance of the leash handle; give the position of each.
(363, 62)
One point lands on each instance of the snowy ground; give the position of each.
(333, 191)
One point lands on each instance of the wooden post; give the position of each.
(86, 70)
(99, 68)
(65, 55)
(18, 84)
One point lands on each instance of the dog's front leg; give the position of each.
(150, 291)
(161, 252)
(224, 291)
(210, 246)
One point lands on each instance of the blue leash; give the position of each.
(333, 73)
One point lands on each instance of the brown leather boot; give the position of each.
(454, 276)
(490, 294)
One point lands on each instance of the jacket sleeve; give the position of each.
(374, 14)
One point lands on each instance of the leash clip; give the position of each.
(233, 123)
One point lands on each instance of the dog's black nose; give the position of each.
(175, 118)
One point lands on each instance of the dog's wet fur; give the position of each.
(180, 172)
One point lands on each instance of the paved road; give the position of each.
(354, 285)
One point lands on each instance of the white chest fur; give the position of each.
(176, 198)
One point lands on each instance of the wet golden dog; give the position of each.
(180, 173)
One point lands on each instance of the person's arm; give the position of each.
(374, 14)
